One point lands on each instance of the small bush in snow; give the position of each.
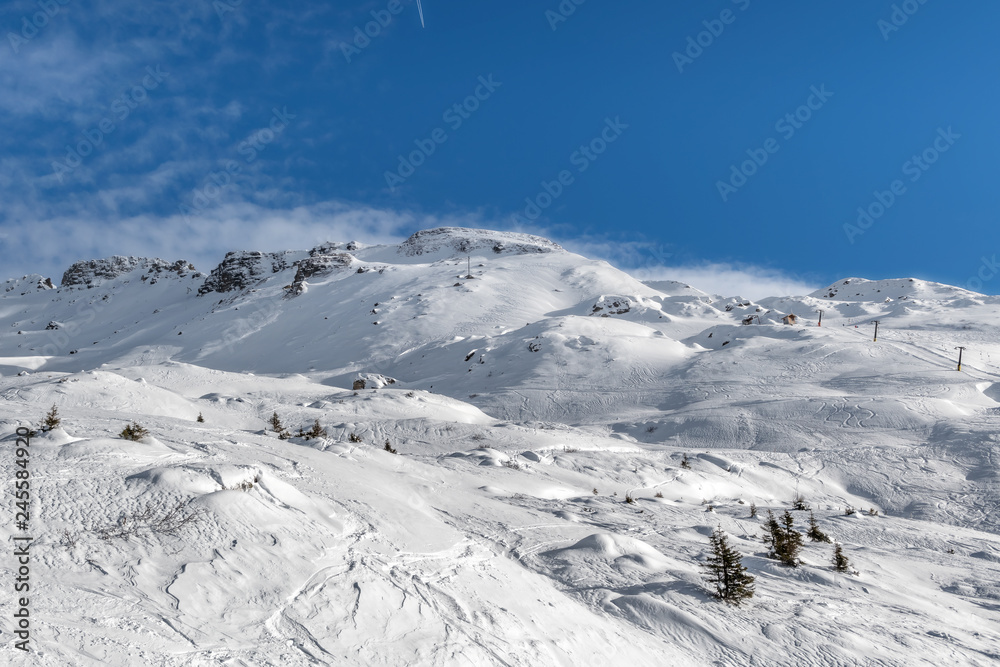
(388, 447)
(200, 419)
(133, 432)
(629, 499)
(800, 503)
(753, 510)
(849, 510)
(354, 437)
(153, 519)
(685, 463)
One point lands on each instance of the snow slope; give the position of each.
(529, 398)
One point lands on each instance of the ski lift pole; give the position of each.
(875, 339)
(960, 351)
(820, 323)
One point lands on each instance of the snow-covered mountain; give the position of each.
(527, 392)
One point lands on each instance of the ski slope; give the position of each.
(527, 391)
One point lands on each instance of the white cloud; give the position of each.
(50, 246)
(752, 282)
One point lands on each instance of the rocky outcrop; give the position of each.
(242, 269)
(93, 272)
(462, 240)
(317, 265)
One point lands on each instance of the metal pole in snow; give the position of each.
(960, 350)
(875, 339)
(820, 323)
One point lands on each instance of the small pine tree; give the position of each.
(133, 432)
(278, 427)
(773, 529)
(791, 542)
(814, 533)
(200, 420)
(727, 578)
(316, 431)
(52, 420)
(354, 437)
(784, 541)
(840, 561)
(685, 463)
(800, 503)
(753, 510)
(848, 511)
(276, 424)
(389, 448)
(595, 490)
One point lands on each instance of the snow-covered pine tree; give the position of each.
(727, 578)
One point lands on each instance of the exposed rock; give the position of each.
(317, 264)
(243, 269)
(92, 272)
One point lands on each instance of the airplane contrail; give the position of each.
(421, 10)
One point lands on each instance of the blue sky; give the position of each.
(719, 142)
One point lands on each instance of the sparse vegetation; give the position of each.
(659, 494)
(153, 520)
(200, 419)
(629, 499)
(245, 485)
(595, 490)
(799, 503)
(814, 533)
(753, 510)
(685, 463)
(51, 420)
(389, 448)
(848, 511)
(354, 437)
(726, 576)
(133, 432)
